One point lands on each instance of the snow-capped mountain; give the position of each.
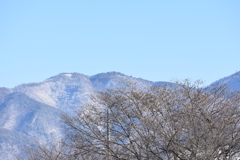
(33, 111)
(67, 91)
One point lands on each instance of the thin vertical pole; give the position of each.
(108, 133)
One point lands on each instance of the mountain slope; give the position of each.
(64, 91)
(24, 121)
(67, 91)
(232, 81)
(33, 111)
(12, 144)
(36, 120)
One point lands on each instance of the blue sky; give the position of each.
(155, 40)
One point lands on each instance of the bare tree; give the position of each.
(183, 122)
(49, 151)
(169, 122)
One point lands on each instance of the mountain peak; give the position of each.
(67, 76)
(108, 74)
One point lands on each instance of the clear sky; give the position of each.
(157, 40)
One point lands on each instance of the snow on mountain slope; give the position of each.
(37, 120)
(67, 91)
(21, 116)
(3, 93)
(232, 81)
(12, 144)
(112, 80)
(33, 110)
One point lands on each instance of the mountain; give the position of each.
(232, 81)
(67, 91)
(32, 112)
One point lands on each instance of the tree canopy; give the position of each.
(179, 122)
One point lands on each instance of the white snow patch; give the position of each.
(11, 122)
(68, 75)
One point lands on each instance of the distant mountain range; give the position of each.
(31, 112)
